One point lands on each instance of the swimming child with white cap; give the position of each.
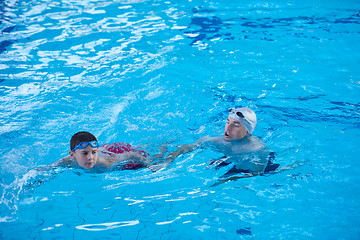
(246, 152)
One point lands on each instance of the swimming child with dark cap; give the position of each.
(85, 152)
(239, 146)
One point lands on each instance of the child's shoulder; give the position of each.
(67, 161)
(257, 142)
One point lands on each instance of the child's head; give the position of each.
(83, 147)
(240, 122)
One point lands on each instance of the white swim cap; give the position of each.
(245, 116)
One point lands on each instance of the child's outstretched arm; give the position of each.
(182, 149)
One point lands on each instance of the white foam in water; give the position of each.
(10, 197)
(107, 226)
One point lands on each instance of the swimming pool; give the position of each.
(165, 72)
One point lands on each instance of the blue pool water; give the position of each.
(165, 72)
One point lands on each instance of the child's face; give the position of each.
(86, 157)
(234, 130)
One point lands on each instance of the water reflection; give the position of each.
(5, 19)
(206, 26)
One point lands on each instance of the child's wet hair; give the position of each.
(81, 137)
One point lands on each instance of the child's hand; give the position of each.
(181, 149)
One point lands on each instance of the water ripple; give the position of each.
(106, 226)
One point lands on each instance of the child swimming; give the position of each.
(86, 153)
(248, 153)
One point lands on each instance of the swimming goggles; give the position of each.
(83, 145)
(238, 113)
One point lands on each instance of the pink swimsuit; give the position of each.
(125, 147)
